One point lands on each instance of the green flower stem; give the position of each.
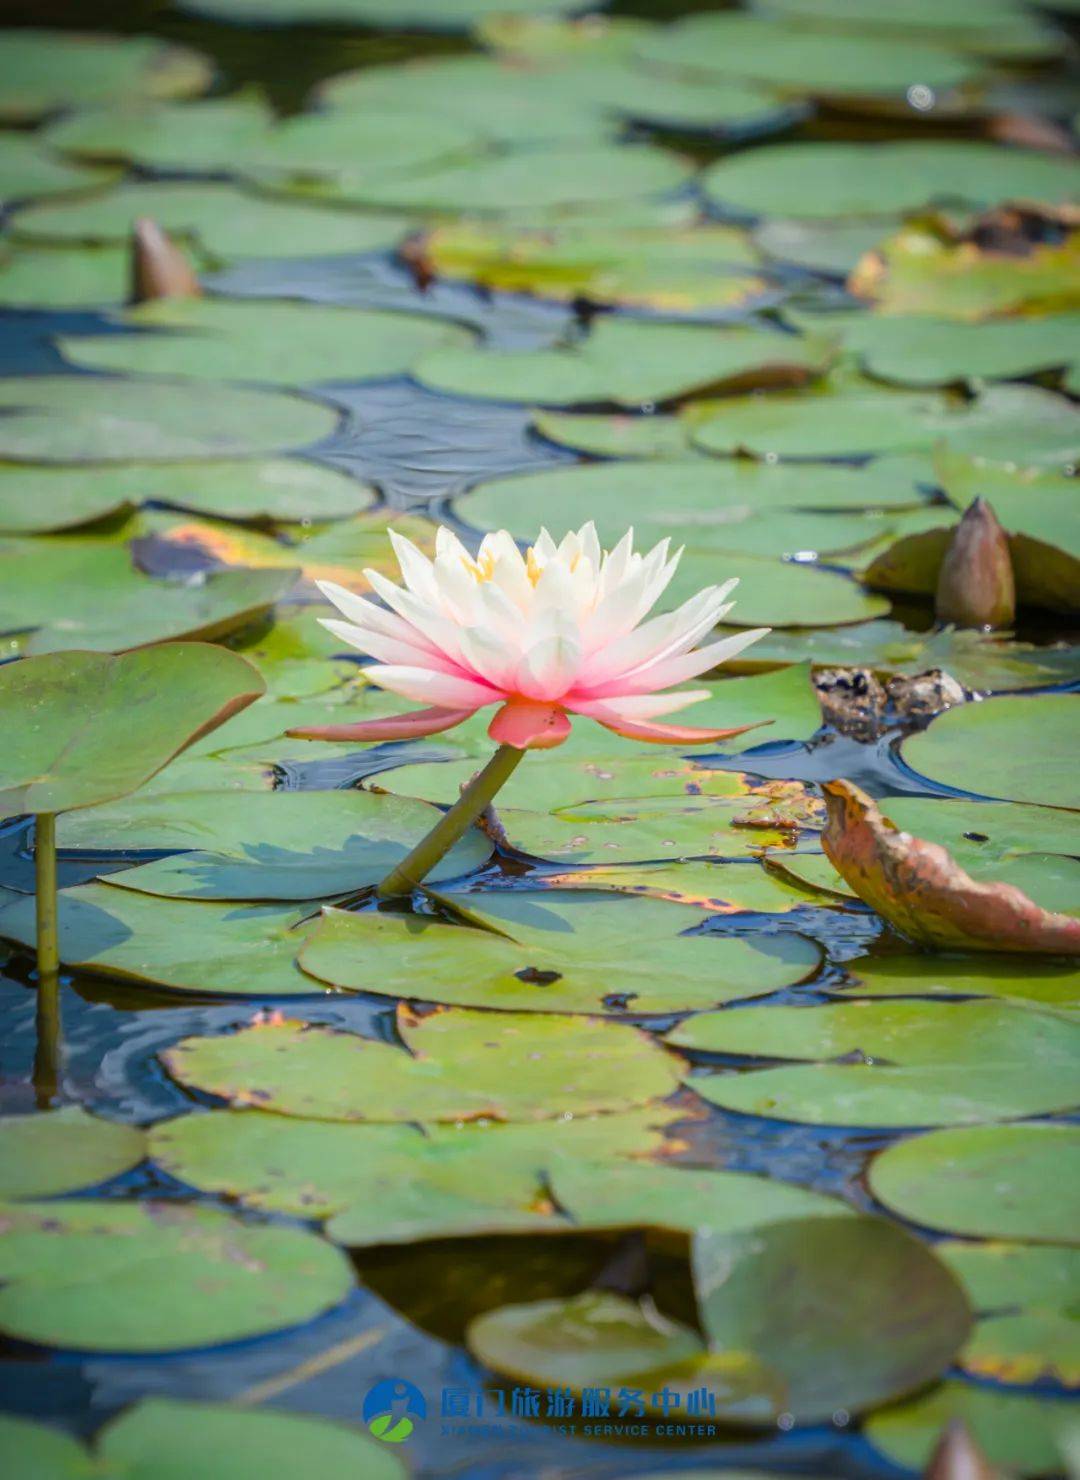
(49, 1041)
(48, 946)
(452, 825)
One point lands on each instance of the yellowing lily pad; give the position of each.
(43, 1155)
(150, 1277)
(458, 1065)
(1001, 1181)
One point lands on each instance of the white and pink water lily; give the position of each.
(564, 629)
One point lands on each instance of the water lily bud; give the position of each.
(158, 267)
(956, 1456)
(975, 584)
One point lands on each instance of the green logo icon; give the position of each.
(392, 1409)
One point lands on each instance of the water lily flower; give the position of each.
(564, 629)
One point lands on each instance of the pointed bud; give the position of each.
(158, 267)
(957, 1456)
(975, 584)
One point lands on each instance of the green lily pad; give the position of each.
(1045, 983)
(217, 339)
(209, 949)
(547, 179)
(979, 660)
(172, 1440)
(45, 70)
(844, 179)
(833, 247)
(623, 360)
(999, 27)
(43, 1155)
(909, 1095)
(86, 593)
(554, 952)
(1001, 1181)
(615, 436)
(647, 1194)
(275, 845)
(213, 134)
(42, 499)
(869, 1312)
(458, 1065)
(721, 888)
(1014, 748)
(952, 1034)
(64, 277)
(1008, 421)
(707, 503)
(28, 171)
(223, 222)
(419, 15)
(928, 351)
(459, 1178)
(69, 418)
(999, 1275)
(148, 1277)
(776, 593)
(797, 61)
(31, 1450)
(84, 728)
(1014, 1430)
(668, 268)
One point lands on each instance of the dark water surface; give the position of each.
(407, 1316)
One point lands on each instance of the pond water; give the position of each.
(422, 446)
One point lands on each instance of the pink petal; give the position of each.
(394, 727)
(664, 734)
(529, 725)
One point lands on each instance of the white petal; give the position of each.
(374, 644)
(677, 670)
(428, 687)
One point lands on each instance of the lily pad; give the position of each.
(1002, 1181)
(869, 1312)
(84, 728)
(776, 593)
(952, 1034)
(459, 1178)
(28, 171)
(548, 179)
(86, 593)
(720, 888)
(64, 277)
(43, 1155)
(913, 350)
(224, 222)
(997, 28)
(845, 179)
(707, 502)
(173, 1439)
(654, 829)
(1044, 983)
(831, 247)
(1017, 1430)
(551, 951)
(1028, 1347)
(1021, 422)
(44, 70)
(797, 61)
(999, 1275)
(626, 361)
(458, 1065)
(286, 343)
(31, 1450)
(909, 1095)
(150, 1277)
(420, 15)
(616, 436)
(1014, 748)
(283, 846)
(209, 949)
(42, 499)
(673, 268)
(213, 134)
(69, 418)
(648, 1194)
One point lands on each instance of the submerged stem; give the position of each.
(49, 1041)
(48, 947)
(452, 825)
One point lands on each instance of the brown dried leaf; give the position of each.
(924, 894)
